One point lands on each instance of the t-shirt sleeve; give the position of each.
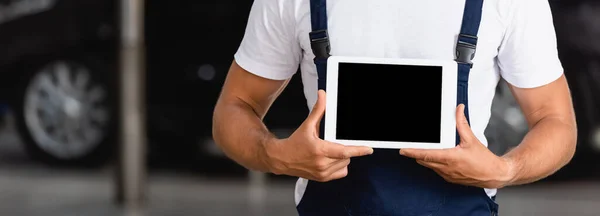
(528, 55)
(270, 48)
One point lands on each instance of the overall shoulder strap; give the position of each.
(465, 51)
(319, 42)
(319, 38)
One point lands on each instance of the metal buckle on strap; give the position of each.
(465, 52)
(319, 42)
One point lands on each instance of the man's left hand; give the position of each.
(470, 163)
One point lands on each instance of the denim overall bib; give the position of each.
(386, 183)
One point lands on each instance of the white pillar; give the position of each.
(131, 167)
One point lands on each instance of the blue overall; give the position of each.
(386, 183)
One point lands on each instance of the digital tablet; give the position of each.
(391, 103)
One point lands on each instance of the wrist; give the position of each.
(270, 151)
(508, 172)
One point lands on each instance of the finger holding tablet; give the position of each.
(470, 163)
(305, 155)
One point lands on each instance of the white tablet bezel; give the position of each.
(448, 109)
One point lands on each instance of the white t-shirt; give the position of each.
(516, 42)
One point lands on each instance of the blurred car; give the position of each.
(56, 63)
(189, 49)
(578, 30)
(58, 67)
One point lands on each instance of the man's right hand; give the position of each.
(305, 155)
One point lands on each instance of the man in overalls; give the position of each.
(489, 40)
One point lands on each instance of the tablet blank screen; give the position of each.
(380, 102)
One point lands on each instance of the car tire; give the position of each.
(65, 111)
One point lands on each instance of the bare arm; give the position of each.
(239, 131)
(237, 122)
(550, 143)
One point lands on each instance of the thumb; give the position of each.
(315, 116)
(339, 151)
(462, 125)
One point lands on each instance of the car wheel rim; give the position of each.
(65, 110)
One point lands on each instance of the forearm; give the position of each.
(549, 145)
(242, 135)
